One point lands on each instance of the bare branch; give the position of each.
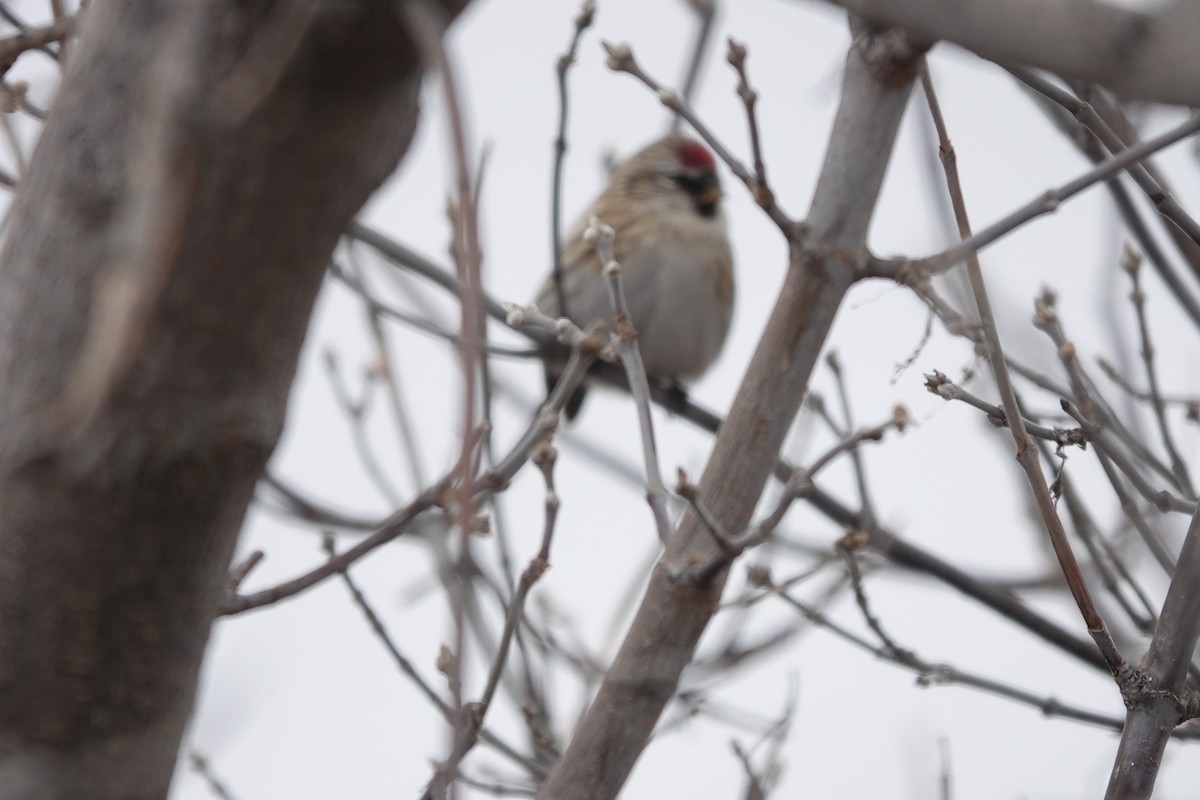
(706, 15)
(215, 785)
(1095, 417)
(860, 470)
(544, 457)
(937, 383)
(11, 47)
(601, 238)
(1137, 54)
(1048, 202)
(404, 256)
(396, 525)
(1131, 262)
(1027, 456)
(620, 59)
(1163, 200)
(1105, 560)
(1160, 700)
(665, 630)
(583, 21)
(427, 22)
(407, 668)
(941, 674)
(355, 411)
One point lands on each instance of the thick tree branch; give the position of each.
(1139, 55)
(1161, 701)
(675, 610)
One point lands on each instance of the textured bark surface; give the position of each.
(161, 264)
(1142, 52)
(1160, 700)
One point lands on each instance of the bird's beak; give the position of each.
(710, 196)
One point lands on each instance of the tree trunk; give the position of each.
(162, 259)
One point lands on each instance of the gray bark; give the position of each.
(1160, 700)
(676, 610)
(162, 259)
(1139, 54)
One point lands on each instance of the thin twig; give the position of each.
(848, 546)
(14, 144)
(427, 22)
(736, 56)
(1103, 554)
(755, 790)
(413, 261)
(544, 457)
(16, 93)
(937, 383)
(1027, 455)
(12, 19)
(947, 791)
(356, 412)
(1114, 114)
(798, 485)
(706, 15)
(620, 59)
(204, 770)
(407, 668)
(930, 674)
(530, 697)
(1134, 514)
(396, 525)
(1092, 147)
(1116, 377)
(1131, 262)
(58, 11)
(691, 494)
(600, 236)
(242, 570)
(292, 503)
(856, 457)
(1162, 199)
(496, 789)
(1163, 267)
(11, 47)
(1048, 202)
(388, 368)
(583, 21)
(1097, 420)
(382, 309)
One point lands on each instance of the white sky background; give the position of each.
(300, 700)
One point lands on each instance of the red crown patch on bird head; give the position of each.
(696, 156)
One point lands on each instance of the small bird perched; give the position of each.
(664, 206)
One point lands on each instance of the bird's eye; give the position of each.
(703, 188)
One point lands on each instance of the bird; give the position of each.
(670, 238)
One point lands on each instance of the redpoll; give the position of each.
(663, 204)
